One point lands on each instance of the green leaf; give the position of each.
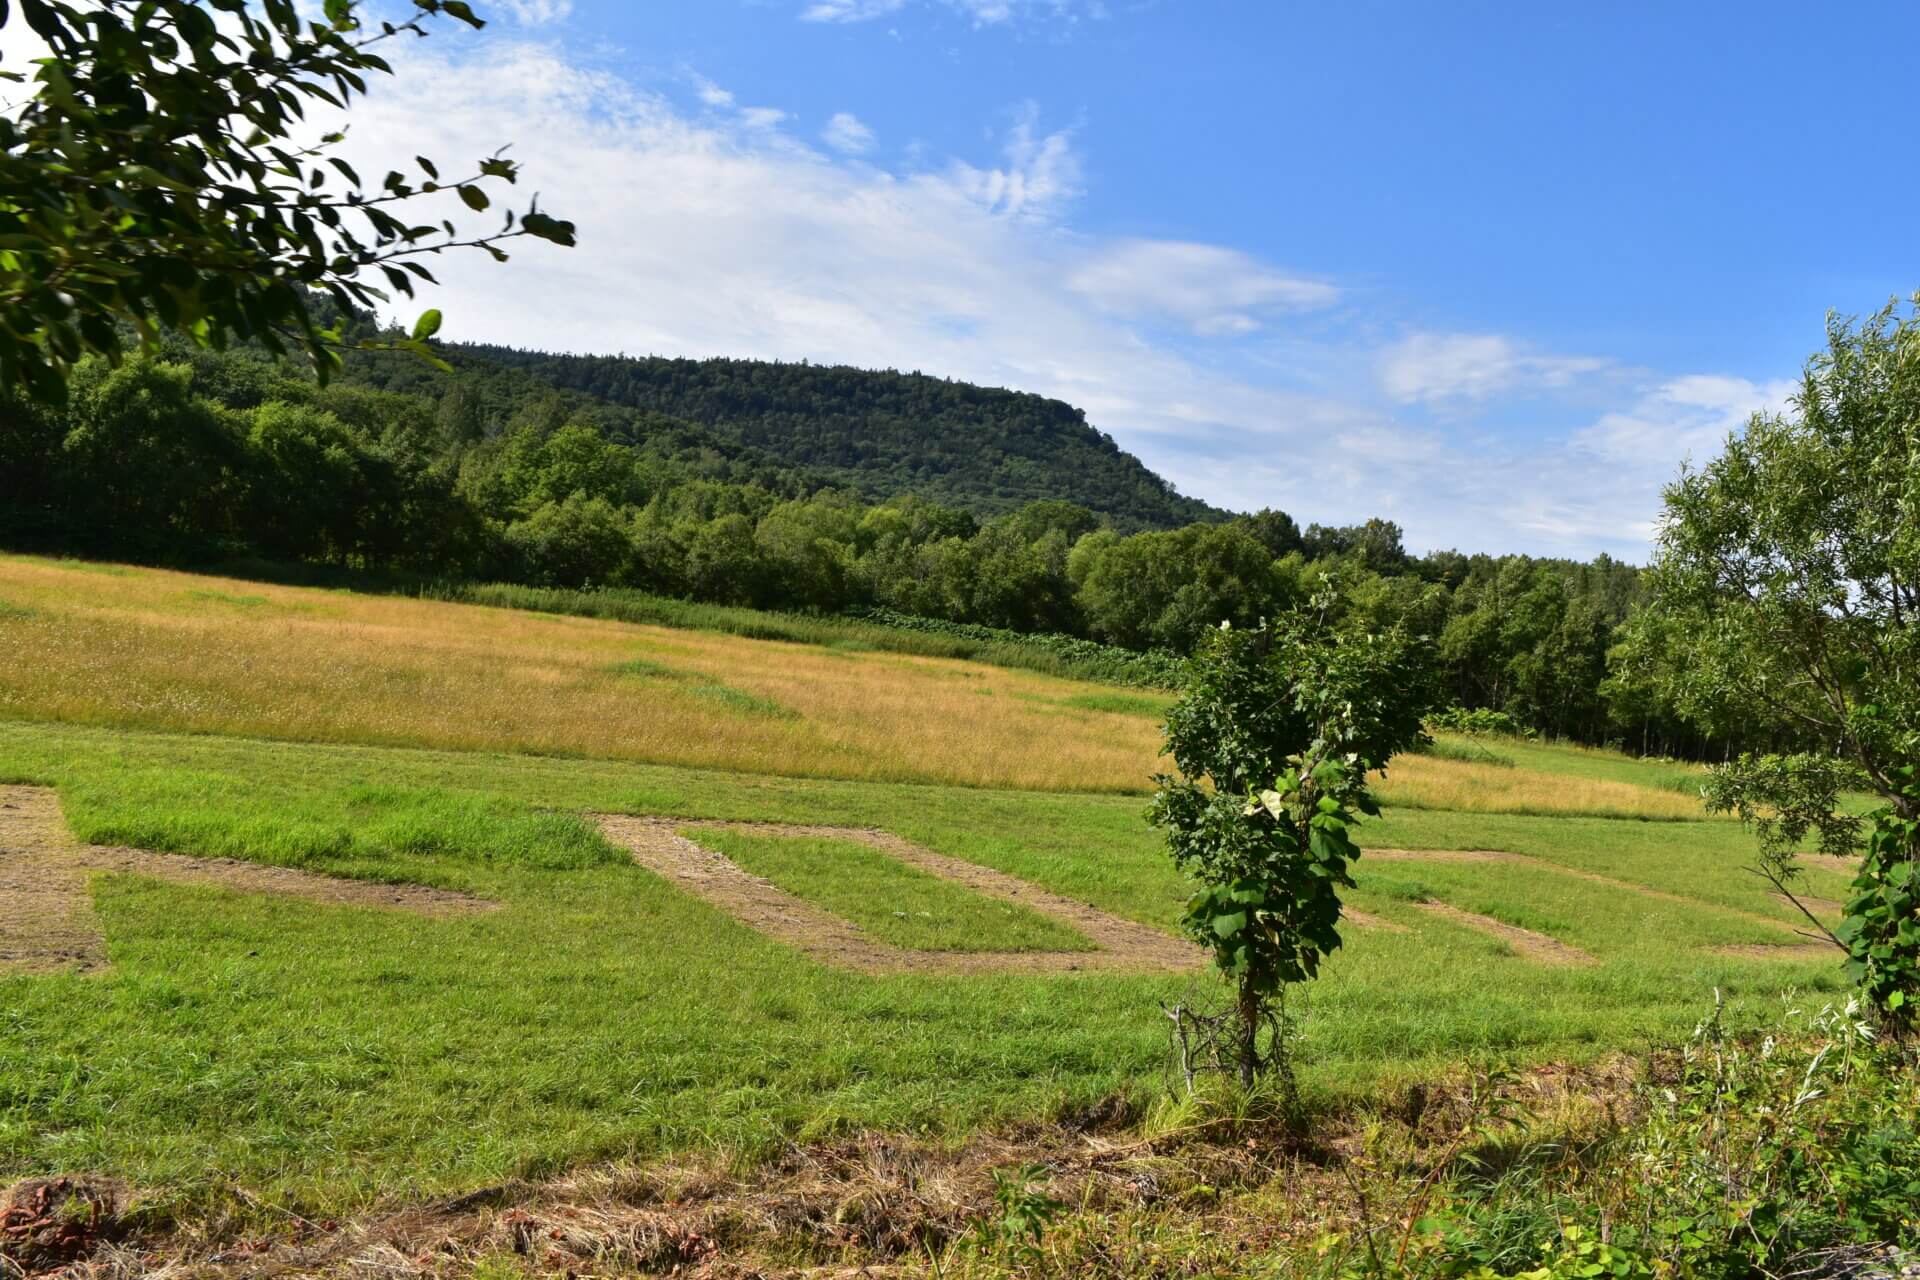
(542, 227)
(474, 198)
(427, 325)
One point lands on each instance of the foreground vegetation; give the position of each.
(331, 1056)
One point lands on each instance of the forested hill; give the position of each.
(883, 433)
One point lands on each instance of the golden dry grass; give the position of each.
(154, 649)
(1431, 782)
(149, 648)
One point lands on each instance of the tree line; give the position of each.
(488, 474)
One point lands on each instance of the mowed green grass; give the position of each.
(327, 1057)
(894, 902)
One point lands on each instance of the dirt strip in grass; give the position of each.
(1784, 951)
(1124, 945)
(1572, 873)
(46, 905)
(1528, 945)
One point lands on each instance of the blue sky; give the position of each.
(1488, 270)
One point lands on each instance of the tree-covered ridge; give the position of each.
(490, 474)
(881, 433)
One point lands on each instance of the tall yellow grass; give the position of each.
(1431, 782)
(149, 648)
(152, 649)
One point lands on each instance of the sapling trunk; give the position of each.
(1249, 1012)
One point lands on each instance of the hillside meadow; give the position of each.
(128, 647)
(333, 1056)
(1520, 902)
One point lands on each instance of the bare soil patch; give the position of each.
(1783, 951)
(46, 906)
(1123, 945)
(46, 913)
(1535, 947)
(1819, 906)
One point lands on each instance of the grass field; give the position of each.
(152, 649)
(328, 1057)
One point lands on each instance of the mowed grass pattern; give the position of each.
(323, 1057)
(890, 900)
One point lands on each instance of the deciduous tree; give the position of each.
(1274, 737)
(162, 176)
(1792, 562)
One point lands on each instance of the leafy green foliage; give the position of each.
(1478, 721)
(1881, 931)
(1274, 736)
(158, 179)
(1025, 1208)
(1741, 1156)
(1789, 575)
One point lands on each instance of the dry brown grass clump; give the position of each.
(1196, 1189)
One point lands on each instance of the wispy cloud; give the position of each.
(845, 133)
(1207, 288)
(536, 13)
(1434, 367)
(1039, 177)
(712, 94)
(983, 13)
(849, 10)
(705, 230)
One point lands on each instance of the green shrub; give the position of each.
(1479, 720)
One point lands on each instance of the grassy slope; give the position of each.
(155, 649)
(143, 648)
(329, 1055)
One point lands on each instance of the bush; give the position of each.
(1794, 1153)
(1479, 720)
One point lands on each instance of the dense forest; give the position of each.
(877, 434)
(497, 471)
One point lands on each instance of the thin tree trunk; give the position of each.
(1249, 1032)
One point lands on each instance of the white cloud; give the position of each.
(702, 235)
(846, 133)
(1040, 177)
(982, 12)
(537, 13)
(1210, 289)
(712, 94)
(849, 10)
(1472, 366)
(1685, 418)
(761, 117)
